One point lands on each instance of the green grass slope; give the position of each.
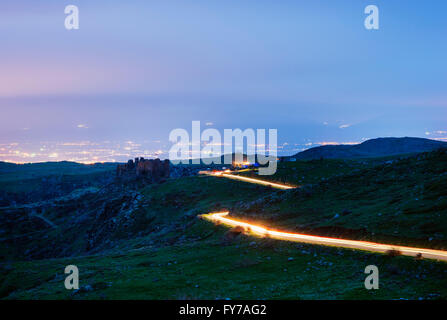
(208, 268)
(146, 242)
(403, 201)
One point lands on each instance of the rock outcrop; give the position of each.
(152, 170)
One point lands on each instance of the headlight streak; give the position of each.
(246, 179)
(222, 217)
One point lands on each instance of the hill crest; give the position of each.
(378, 147)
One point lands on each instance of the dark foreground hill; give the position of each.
(144, 241)
(380, 147)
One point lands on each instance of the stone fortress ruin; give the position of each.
(153, 170)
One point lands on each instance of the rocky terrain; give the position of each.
(140, 239)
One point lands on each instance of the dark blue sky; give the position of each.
(135, 70)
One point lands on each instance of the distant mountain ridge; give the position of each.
(379, 147)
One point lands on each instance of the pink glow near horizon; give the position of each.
(83, 152)
(88, 152)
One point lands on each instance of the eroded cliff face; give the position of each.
(152, 170)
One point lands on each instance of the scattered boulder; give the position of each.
(393, 253)
(232, 234)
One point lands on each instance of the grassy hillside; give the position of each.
(308, 172)
(208, 268)
(136, 241)
(403, 201)
(100, 220)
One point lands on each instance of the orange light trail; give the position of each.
(336, 242)
(246, 179)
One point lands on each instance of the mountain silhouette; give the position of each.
(379, 147)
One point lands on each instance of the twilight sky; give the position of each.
(135, 70)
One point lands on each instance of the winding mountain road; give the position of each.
(258, 230)
(247, 179)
